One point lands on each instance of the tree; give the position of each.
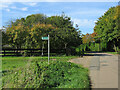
(66, 33)
(37, 32)
(16, 35)
(107, 28)
(27, 32)
(34, 19)
(88, 38)
(4, 37)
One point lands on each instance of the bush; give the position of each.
(56, 73)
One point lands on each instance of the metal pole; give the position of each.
(42, 47)
(48, 49)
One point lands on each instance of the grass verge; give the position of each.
(113, 52)
(37, 73)
(11, 63)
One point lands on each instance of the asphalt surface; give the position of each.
(104, 71)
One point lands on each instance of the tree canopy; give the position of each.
(27, 32)
(107, 28)
(88, 38)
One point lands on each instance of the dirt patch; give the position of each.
(85, 61)
(53, 59)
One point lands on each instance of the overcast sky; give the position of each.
(82, 13)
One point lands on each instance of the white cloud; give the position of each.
(8, 10)
(84, 22)
(13, 7)
(95, 21)
(60, 0)
(85, 25)
(5, 5)
(8, 6)
(24, 9)
(36, 10)
(30, 3)
(88, 12)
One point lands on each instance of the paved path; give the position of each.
(103, 69)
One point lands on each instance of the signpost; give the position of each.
(48, 49)
(44, 38)
(47, 38)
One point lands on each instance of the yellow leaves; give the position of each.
(117, 13)
(106, 20)
(32, 29)
(115, 17)
(42, 25)
(15, 37)
(20, 32)
(39, 27)
(19, 26)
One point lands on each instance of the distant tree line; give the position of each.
(27, 32)
(106, 36)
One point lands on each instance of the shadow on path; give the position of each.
(96, 54)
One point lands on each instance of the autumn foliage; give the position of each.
(88, 38)
(28, 32)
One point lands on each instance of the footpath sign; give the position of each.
(44, 38)
(47, 38)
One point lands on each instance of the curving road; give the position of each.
(103, 69)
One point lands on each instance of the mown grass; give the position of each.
(35, 72)
(113, 52)
(10, 63)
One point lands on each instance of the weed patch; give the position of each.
(57, 74)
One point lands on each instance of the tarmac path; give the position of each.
(103, 69)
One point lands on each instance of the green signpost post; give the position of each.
(47, 38)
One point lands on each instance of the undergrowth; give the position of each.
(57, 74)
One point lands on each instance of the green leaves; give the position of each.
(107, 26)
(27, 32)
(41, 75)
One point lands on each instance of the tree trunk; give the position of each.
(115, 48)
(65, 45)
(66, 49)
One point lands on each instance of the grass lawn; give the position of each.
(113, 52)
(10, 63)
(105, 52)
(35, 72)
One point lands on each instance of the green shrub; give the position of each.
(56, 73)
